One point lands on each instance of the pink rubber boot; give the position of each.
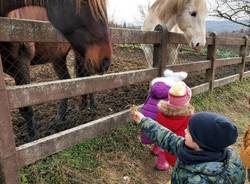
(155, 150)
(161, 162)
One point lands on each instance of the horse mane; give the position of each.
(97, 7)
(160, 6)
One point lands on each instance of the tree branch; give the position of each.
(233, 10)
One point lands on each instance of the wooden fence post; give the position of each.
(160, 55)
(9, 173)
(243, 52)
(211, 53)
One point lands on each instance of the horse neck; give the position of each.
(162, 12)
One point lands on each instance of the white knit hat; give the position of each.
(170, 77)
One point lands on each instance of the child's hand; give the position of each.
(136, 115)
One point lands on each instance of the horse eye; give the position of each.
(193, 14)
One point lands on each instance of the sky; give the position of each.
(127, 10)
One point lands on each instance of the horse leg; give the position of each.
(18, 67)
(89, 103)
(23, 77)
(20, 76)
(79, 73)
(62, 72)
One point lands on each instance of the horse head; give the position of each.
(187, 16)
(190, 18)
(85, 26)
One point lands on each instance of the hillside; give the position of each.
(223, 26)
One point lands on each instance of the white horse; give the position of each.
(182, 16)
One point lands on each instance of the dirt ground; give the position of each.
(109, 102)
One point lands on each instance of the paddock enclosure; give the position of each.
(128, 85)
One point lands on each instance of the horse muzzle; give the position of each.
(197, 45)
(105, 63)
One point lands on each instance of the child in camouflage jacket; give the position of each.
(203, 156)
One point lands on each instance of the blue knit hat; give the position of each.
(212, 131)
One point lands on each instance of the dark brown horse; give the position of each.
(82, 22)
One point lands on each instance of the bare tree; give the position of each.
(237, 11)
(143, 10)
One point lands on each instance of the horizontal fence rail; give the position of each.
(191, 67)
(30, 31)
(13, 30)
(42, 148)
(133, 36)
(177, 38)
(21, 96)
(56, 90)
(246, 74)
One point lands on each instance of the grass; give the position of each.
(130, 46)
(220, 52)
(109, 158)
(223, 53)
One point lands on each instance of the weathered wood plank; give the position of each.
(164, 51)
(176, 38)
(190, 67)
(21, 96)
(28, 30)
(39, 149)
(211, 52)
(209, 40)
(226, 80)
(246, 74)
(9, 172)
(227, 61)
(200, 89)
(247, 59)
(42, 31)
(242, 54)
(158, 54)
(230, 41)
(134, 36)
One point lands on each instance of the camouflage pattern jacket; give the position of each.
(231, 171)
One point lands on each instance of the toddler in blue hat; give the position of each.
(202, 155)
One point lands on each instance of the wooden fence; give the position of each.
(12, 158)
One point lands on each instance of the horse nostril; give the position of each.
(192, 44)
(105, 64)
(195, 45)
